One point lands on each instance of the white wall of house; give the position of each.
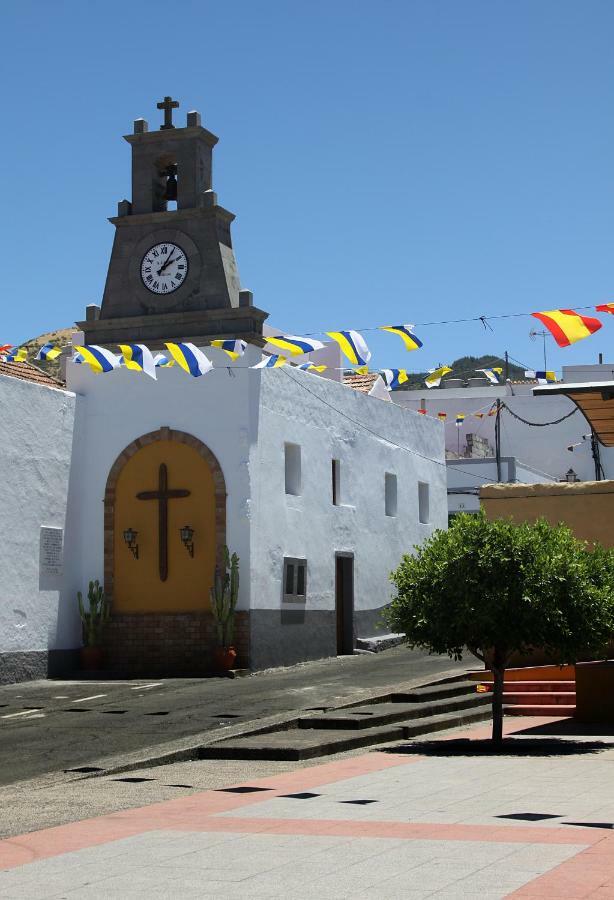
(542, 448)
(36, 442)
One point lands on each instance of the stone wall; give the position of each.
(587, 507)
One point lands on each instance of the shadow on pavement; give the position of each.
(509, 747)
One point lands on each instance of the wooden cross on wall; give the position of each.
(163, 495)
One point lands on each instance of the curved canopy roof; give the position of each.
(594, 399)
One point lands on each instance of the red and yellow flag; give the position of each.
(605, 307)
(567, 326)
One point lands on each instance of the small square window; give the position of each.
(295, 580)
(423, 503)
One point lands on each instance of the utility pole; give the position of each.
(498, 439)
(506, 371)
(596, 456)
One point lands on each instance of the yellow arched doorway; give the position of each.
(163, 482)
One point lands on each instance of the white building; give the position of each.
(535, 452)
(286, 468)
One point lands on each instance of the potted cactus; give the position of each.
(92, 620)
(224, 595)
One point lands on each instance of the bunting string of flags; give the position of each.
(353, 346)
(567, 326)
(233, 349)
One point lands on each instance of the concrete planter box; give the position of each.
(595, 691)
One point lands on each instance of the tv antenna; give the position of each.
(533, 334)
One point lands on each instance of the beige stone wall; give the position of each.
(587, 507)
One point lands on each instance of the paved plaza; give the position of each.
(447, 822)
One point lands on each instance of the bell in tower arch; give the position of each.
(170, 192)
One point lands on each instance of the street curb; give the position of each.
(158, 756)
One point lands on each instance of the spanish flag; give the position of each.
(605, 307)
(567, 326)
(442, 416)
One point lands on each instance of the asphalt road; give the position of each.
(52, 726)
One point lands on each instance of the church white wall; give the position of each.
(116, 408)
(245, 419)
(372, 438)
(35, 452)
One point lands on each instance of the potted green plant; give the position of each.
(224, 595)
(92, 620)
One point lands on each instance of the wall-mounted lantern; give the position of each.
(187, 538)
(130, 536)
(571, 477)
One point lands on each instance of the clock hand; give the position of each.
(164, 265)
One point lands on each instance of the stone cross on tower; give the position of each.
(168, 105)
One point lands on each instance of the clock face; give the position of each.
(164, 268)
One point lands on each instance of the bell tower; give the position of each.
(172, 273)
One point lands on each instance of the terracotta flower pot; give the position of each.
(91, 658)
(224, 658)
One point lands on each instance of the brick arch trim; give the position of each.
(162, 434)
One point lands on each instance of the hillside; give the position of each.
(465, 367)
(61, 337)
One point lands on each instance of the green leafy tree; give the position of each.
(496, 588)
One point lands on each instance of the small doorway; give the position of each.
(344, 603)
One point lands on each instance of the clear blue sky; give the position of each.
(398, 161)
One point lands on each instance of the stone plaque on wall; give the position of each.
(51, 551)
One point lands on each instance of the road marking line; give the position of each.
(25, 712)
(94, 697)
(145, 687)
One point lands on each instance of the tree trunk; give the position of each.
(498, 671)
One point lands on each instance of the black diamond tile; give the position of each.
(242, 789)
(358, 802)
(164, 713)
(113, 712)
(85, 769)
(225, 715)
(133, 780)
(179, 785)
(591, 824)
(530, 817)
(305, 795)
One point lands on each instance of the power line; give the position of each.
(539, 424)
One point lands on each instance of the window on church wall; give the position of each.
(390, 494)
(336, 482)
(295, 580)
(292, 454)
(423, 503)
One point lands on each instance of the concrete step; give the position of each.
(543, 698)
(537, 710)
(442, 722)
(441, 691)
(358, 718)
(307, 743)
(298, 743)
